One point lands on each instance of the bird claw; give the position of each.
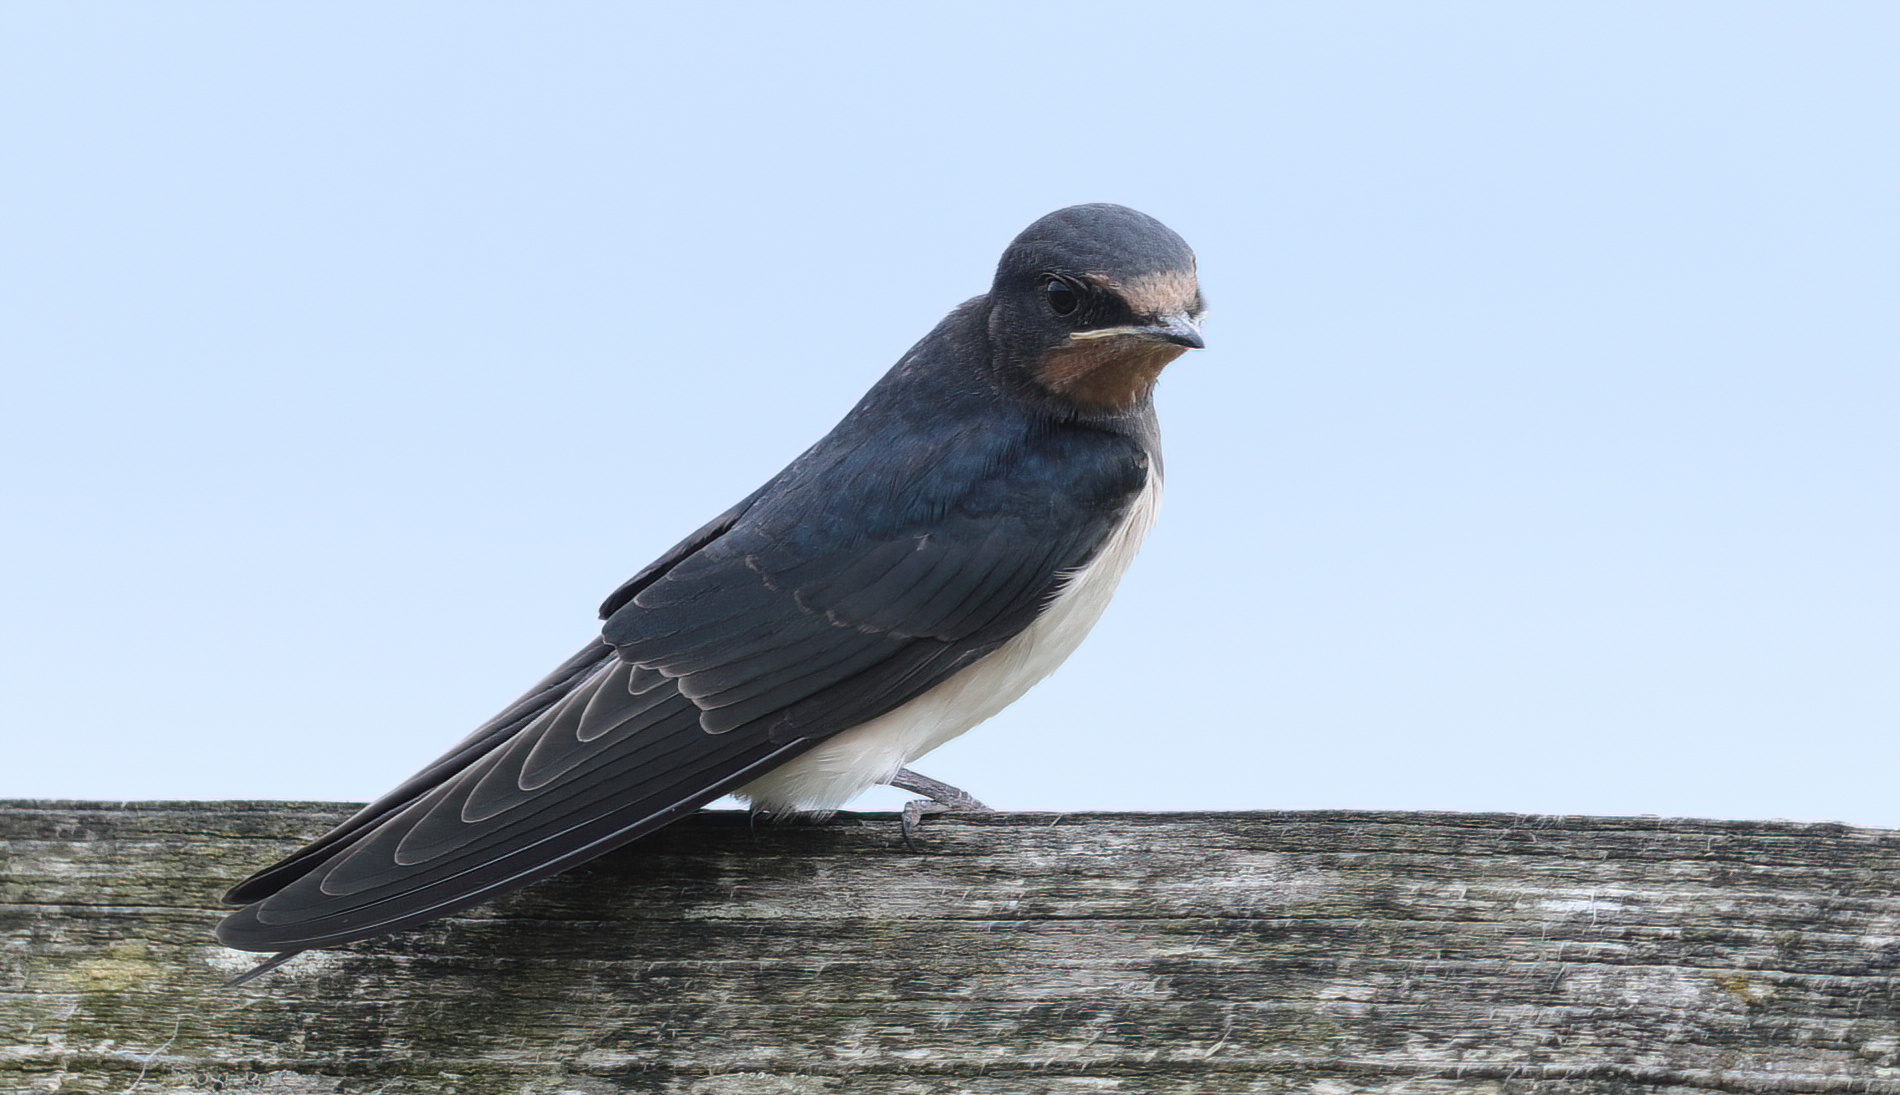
(943, 798)
(913, 815)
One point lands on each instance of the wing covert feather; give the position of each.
(801, 607)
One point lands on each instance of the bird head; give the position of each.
(1091, 302)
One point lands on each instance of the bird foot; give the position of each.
(941, 798)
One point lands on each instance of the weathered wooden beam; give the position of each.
(1271, 952)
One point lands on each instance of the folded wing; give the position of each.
(801, 612)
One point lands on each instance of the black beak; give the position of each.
(1180, 330)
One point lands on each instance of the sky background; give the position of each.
(1543, 458)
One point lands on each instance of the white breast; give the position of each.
(871, 753)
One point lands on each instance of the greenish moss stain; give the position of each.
(128, 966)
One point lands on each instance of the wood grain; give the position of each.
(1333, 953)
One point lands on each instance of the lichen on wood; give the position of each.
(1341, 953)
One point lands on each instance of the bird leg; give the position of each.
(939, 797)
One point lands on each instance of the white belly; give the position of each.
(871, 753)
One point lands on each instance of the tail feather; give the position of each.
(592, 759)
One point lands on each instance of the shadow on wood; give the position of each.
(1213, 953)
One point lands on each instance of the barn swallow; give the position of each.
(941, 550)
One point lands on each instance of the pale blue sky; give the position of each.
(1544, 457)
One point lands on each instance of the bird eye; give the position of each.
(1062, 296)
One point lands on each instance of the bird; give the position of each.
(941, 550)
